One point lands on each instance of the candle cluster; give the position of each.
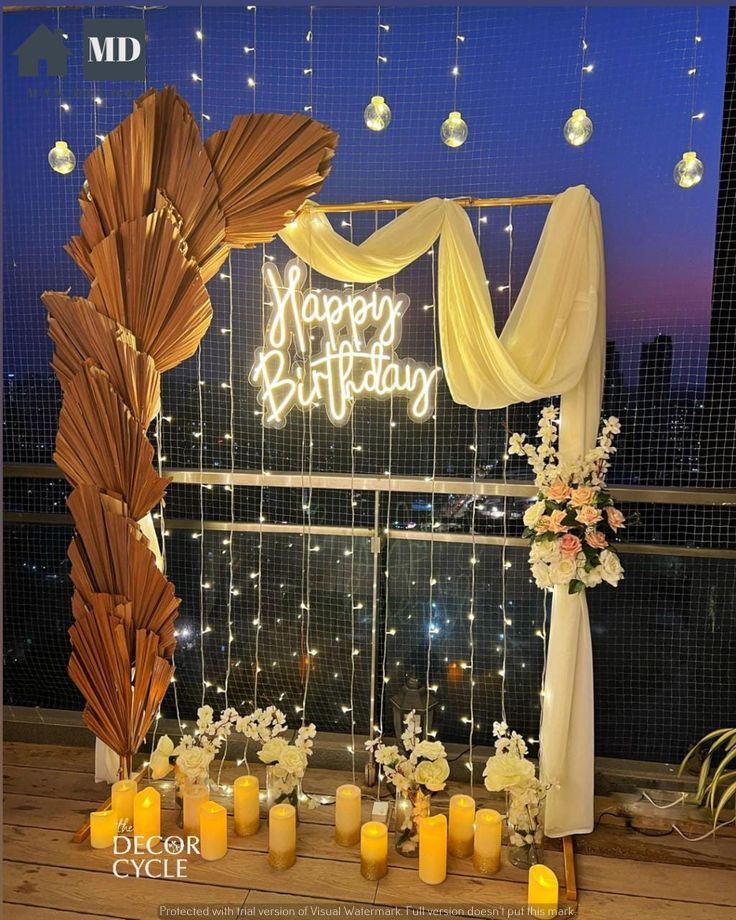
(464, 834)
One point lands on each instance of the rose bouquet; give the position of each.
(286, 761)
(415, 773)
(509, 771)
(574, 520)
(195, 753)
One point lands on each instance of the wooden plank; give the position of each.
(73, 889)
(311, 877)
(26, 912)
(571, 885)
(599, 906)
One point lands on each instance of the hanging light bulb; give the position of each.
(688, 171)
(578, 128)
(61, 158)
(454, 131)
(377, 115)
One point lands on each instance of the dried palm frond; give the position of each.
(110, 555)
(266, 167)
(156, 149)
(145, 283)
(101, 444)
(80, 332)
(122, 690)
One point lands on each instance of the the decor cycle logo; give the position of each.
(114, 49)
(354, 357)
(153, 857)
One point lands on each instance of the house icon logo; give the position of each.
(43, 45)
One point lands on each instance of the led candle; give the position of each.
(282, 836)
(373, 850)
(433, 850)
(212, 830)
(123, 796)
(460, 833)
(487, 846)
(193, 796)
(347, 815)
(147, 814)
(103, 825)
(543, 892)
(246, 806)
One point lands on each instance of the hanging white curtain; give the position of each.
(553, 343)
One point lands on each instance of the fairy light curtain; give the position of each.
(553, 343)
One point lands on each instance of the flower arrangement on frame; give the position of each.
(194, 754)
(415, 773)
(574, 520)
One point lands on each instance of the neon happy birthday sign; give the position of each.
(354, 356)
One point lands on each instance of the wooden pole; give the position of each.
(466, 202)
(571, 884)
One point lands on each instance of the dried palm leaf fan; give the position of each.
(160, 212)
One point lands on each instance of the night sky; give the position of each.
(519, 76)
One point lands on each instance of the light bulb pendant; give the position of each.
(377, 115)
(61, 159)
(688, 171)
(454, 131)
(578, 128)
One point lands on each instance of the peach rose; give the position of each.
(583, 495)
(559, 491)
(569, 545)
(596, 539)
(615, 518)
(588, 515)
(552, 523)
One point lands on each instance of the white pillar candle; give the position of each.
(103, 826)
(460, 833)
(212, 830)
(373, 850)
(121, 800)
(487, 845)
(543, 892)
(282, 836)
(347, 815)
(433, 850)
(192, 797)
(246, 806)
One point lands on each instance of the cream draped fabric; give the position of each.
(553, 343)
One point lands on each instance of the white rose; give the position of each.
(160, 765)
(271, 750)
(592, 578)
(533, 514)
(563, 571)
(293, 760)
(506, 770)
(204, 717)
(540, 571)
(194, 763)
(611, 569)
(429, 750)
(544, 551)
(433, 774)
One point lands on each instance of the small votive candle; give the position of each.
(282, 836)
(246, 806)
(487, 846)
(543, 892)
(122, 798)
(373, 850)
(192, 798)
(147, 814)
(347, 815)
(103, 826)
(212, 830)
(433, 850)
(460, 832)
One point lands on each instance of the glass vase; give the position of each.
(526, 835)
(282, 787)
(411, 807)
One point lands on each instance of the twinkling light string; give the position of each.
(585, 67)
(693, 74)
(353, 604)
(432, 580)
(459, 39)
(505, 564)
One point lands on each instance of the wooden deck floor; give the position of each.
(50, 790)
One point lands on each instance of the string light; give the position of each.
(61, 157)
(432, 628)
(454, 130)
(377, 114)
(689, 170)
(578, 128)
